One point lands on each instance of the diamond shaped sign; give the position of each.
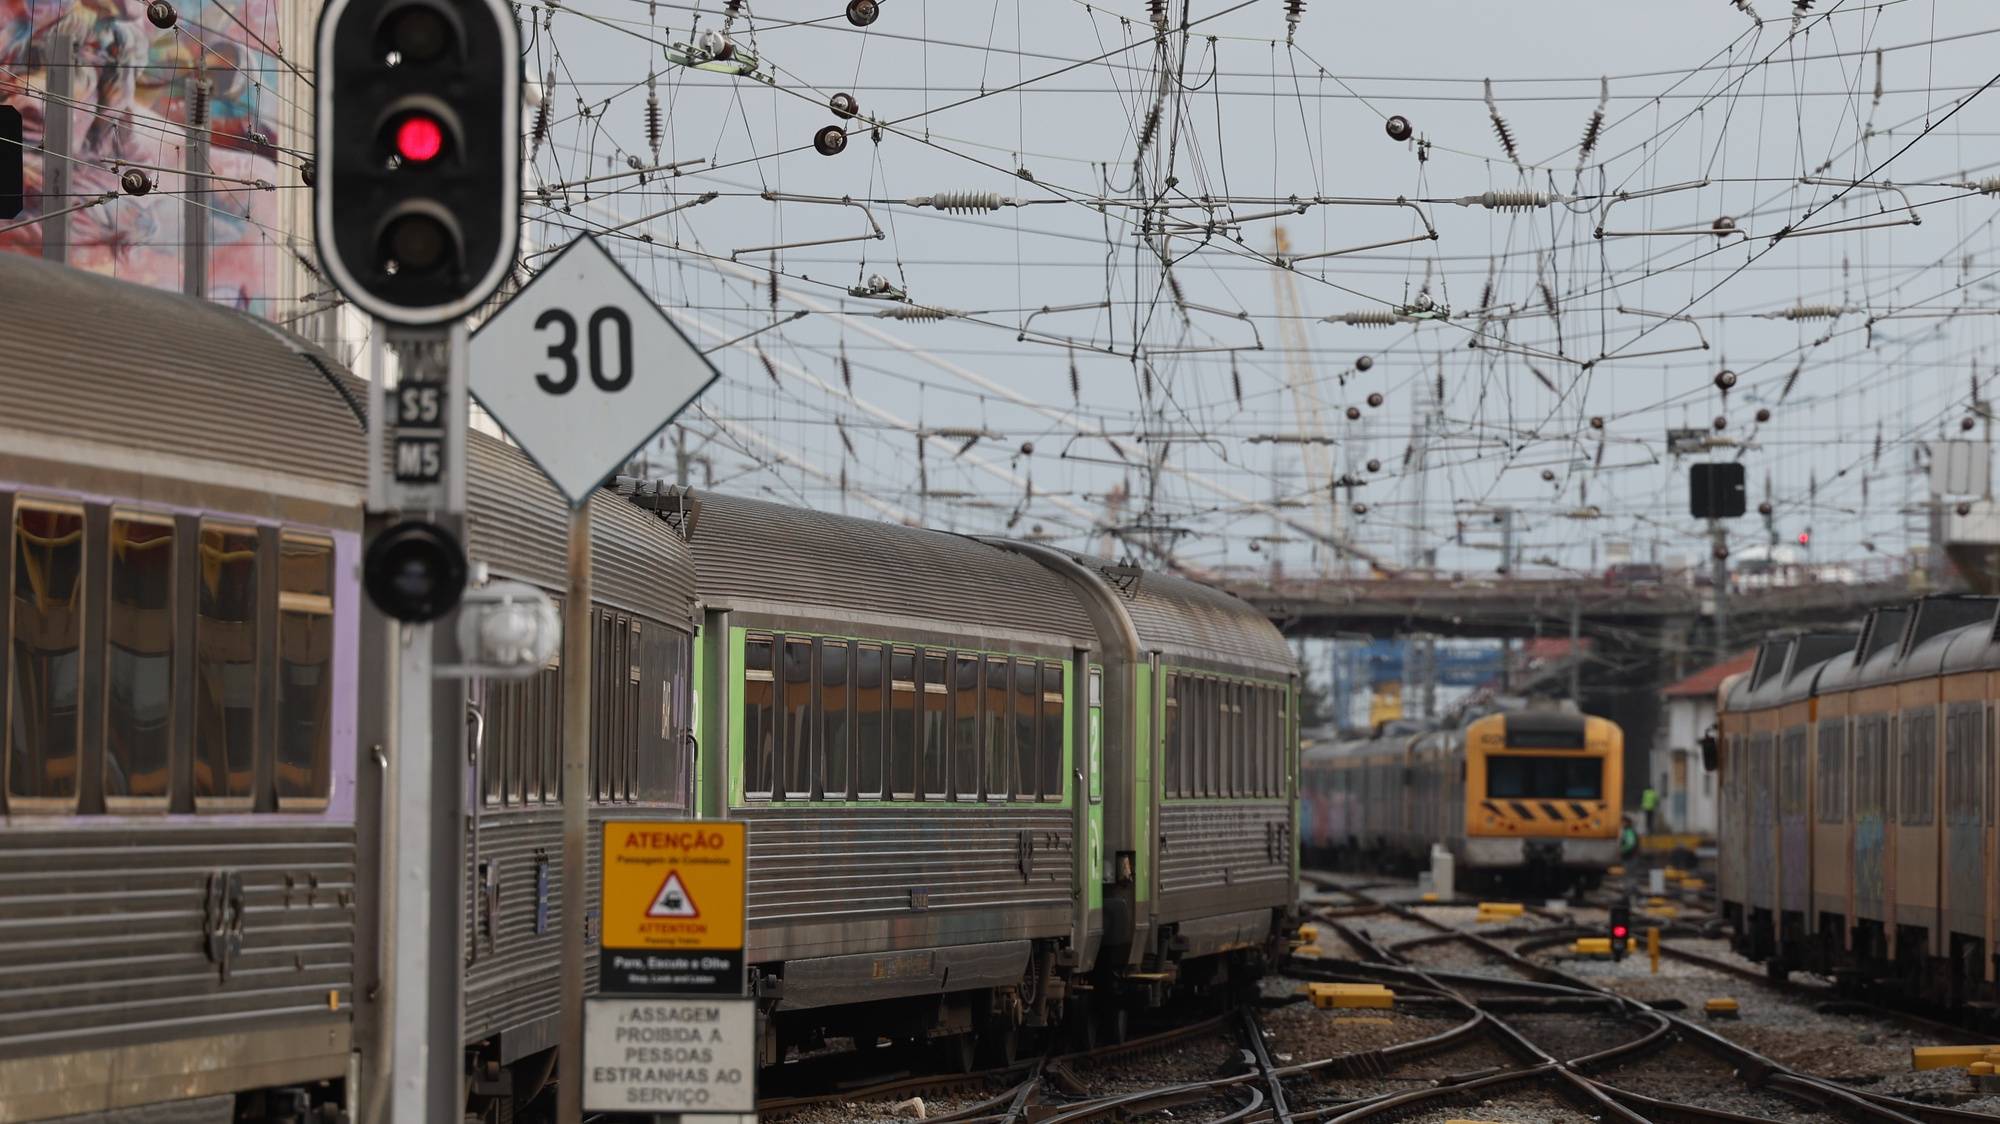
(581, 369)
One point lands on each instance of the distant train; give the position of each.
(1859, 793)
(994, 790)
(1528, 797)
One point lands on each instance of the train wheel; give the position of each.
(1000, 1045)
(958, 1053)
(1080, 1024)
(1114, 1025)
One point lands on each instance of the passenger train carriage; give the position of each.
(968, 779)
(194, 739)
(1525, 796)
(990, 785)
(1859, 796)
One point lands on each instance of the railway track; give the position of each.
(1016, 1083)
(1770, 1090)
(1516, 1039)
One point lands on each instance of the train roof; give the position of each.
(1324, 752)
(752, 553)
(1192, 622)
(93, 361)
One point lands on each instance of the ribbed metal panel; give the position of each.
(519, 525)
(91, 358)
(102, 932)
(515, 977)
(1182, 618)
(1222, 850)
(765, 551)
(816, 867)
(165, 373)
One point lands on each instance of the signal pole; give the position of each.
(416, 215)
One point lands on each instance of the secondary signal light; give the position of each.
(419, 138)
(1805, 538)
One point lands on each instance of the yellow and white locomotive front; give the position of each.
(1542, 789)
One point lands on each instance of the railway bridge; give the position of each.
(1630, 639)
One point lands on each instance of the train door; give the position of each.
(1915, 869)
(1794, 897)
(1964, 872)
(1832, 771)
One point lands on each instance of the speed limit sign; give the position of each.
(581, 369)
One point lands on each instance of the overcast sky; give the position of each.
(973, 93)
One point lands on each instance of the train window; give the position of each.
(45, 732)
(1792, 773)
(138, 661)
(1052, 732)
(1243, 745)
(659, 720)
(304, 770)
(835, 728)
(965, 727)
(1961, 766)
(759, 717)
(1027, 725)
(903, 701)
(1509, 776)
(937, 726)
(1215, 708)
(796, 684)
(1225, 737)
(1172, 774)
(1917, 769)
(868, 721)
(1194, 727)
(1986, 793)
(1266, 712)
(544, 751)
(1832, 771)
(760, 732)
(1189, 689)
(999, 742)
(1260, 739)
(226, 649)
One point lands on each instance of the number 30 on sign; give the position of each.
(582, 368)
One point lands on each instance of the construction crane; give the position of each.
(1303, 383)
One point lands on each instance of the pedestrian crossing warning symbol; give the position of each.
(673, 899)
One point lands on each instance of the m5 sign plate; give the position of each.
(581, 369)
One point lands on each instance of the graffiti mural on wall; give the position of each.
(129, 100)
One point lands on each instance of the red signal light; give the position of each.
(419, 138)
(1805, 538)
(1619, 932)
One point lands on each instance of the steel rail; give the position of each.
(1756, 1069)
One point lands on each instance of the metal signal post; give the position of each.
(416, 214)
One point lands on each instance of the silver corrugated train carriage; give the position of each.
(967, 780)
(193, 728)
(990, 785)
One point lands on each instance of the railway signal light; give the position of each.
(414, 571)
(1621, 928)
(417, 203)
(1715, 489)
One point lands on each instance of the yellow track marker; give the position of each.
(1329, 996)
(1948, 1057)
(1722, 1008)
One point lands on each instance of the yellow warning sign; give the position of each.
(672, 907)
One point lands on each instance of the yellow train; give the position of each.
(1527, 797)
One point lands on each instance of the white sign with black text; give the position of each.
(669, 1056)
(581, 369)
